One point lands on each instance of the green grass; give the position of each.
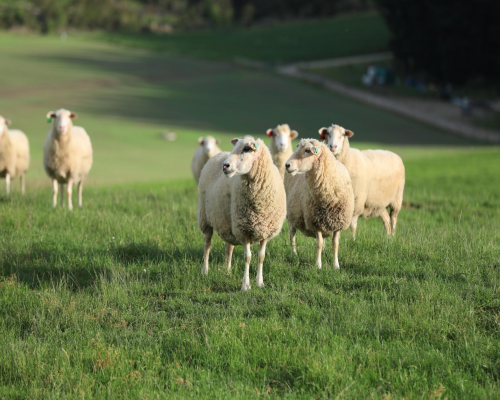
(342, 36)
(109, 301)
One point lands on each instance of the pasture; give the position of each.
(109, 301)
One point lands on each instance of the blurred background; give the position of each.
(148, 77)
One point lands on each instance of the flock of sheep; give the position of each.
(328, 186)
(246, 195)
(67, 155)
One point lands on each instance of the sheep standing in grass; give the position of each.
(378, 178)
(67, 155)
(242, 198)
(320, 203)
(208, 147)
(14, 154)
(281, 145)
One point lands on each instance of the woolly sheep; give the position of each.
(14, 154)
(208, 147)
(242, 198)
(378, 178)
(67, 155)
(281, 145)
(320, 202)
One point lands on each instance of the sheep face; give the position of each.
(3, 125)
(209, 145)
(241, 159)
(61, 120)
(302, 161)
(282, 137)
(334, 137)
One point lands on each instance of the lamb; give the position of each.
(378, 178)
(14, 154)
(242, 198)
(281, 145)
(67, 155)
(208, 147)
(320, 203)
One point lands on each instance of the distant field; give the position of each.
(126, 98)
(344, 35)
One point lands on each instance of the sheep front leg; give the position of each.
(293, 232)
(80, 193)
(229, 256)
(262, 255)
(206, 250)
(23, 184)
(7, 183)
(54, 193)
(70, 194)
(248, 257)
(335, 243)
(319, 247)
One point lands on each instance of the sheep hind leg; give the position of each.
(262, 255)
(335, 244)
(319, 248)
(70, 194)
(207, 237)
(293, 232)
(354, 226)
(54, 193)
(394, 220)
(7, 183)
(386, 221)
(23, 184)
(80, 193)
(246, 275)
(61, 188)
(229, 256)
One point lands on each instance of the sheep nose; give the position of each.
(225, 166)
(287, 166)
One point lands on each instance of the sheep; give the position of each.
(281, 145)
(67, 155)
(14, 154)
(208, 147)
(320, 203)
(242, 198)
(378, 178)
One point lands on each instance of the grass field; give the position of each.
(109, 301)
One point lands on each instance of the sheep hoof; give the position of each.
(318, 264)
(204, 271)
(260, 284)
(246, 286)
(336, 266)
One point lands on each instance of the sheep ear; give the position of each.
(322, 133)
(234, 141)
(73, 115)
(51, 114)
(269, 132)
(201, 140)
(8, 122)
(294, 134)
(348, 133)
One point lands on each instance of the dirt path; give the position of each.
(435, 113)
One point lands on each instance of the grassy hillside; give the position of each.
(342, 36)
(110, 301)
(126, 98)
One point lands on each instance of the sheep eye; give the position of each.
(246, 149)
(308, 150)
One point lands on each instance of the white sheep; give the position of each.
(320, 202)
(67, 155)
(14, 154)
(281, 145)
(208, 147)
(248, 207)
(378, 178)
